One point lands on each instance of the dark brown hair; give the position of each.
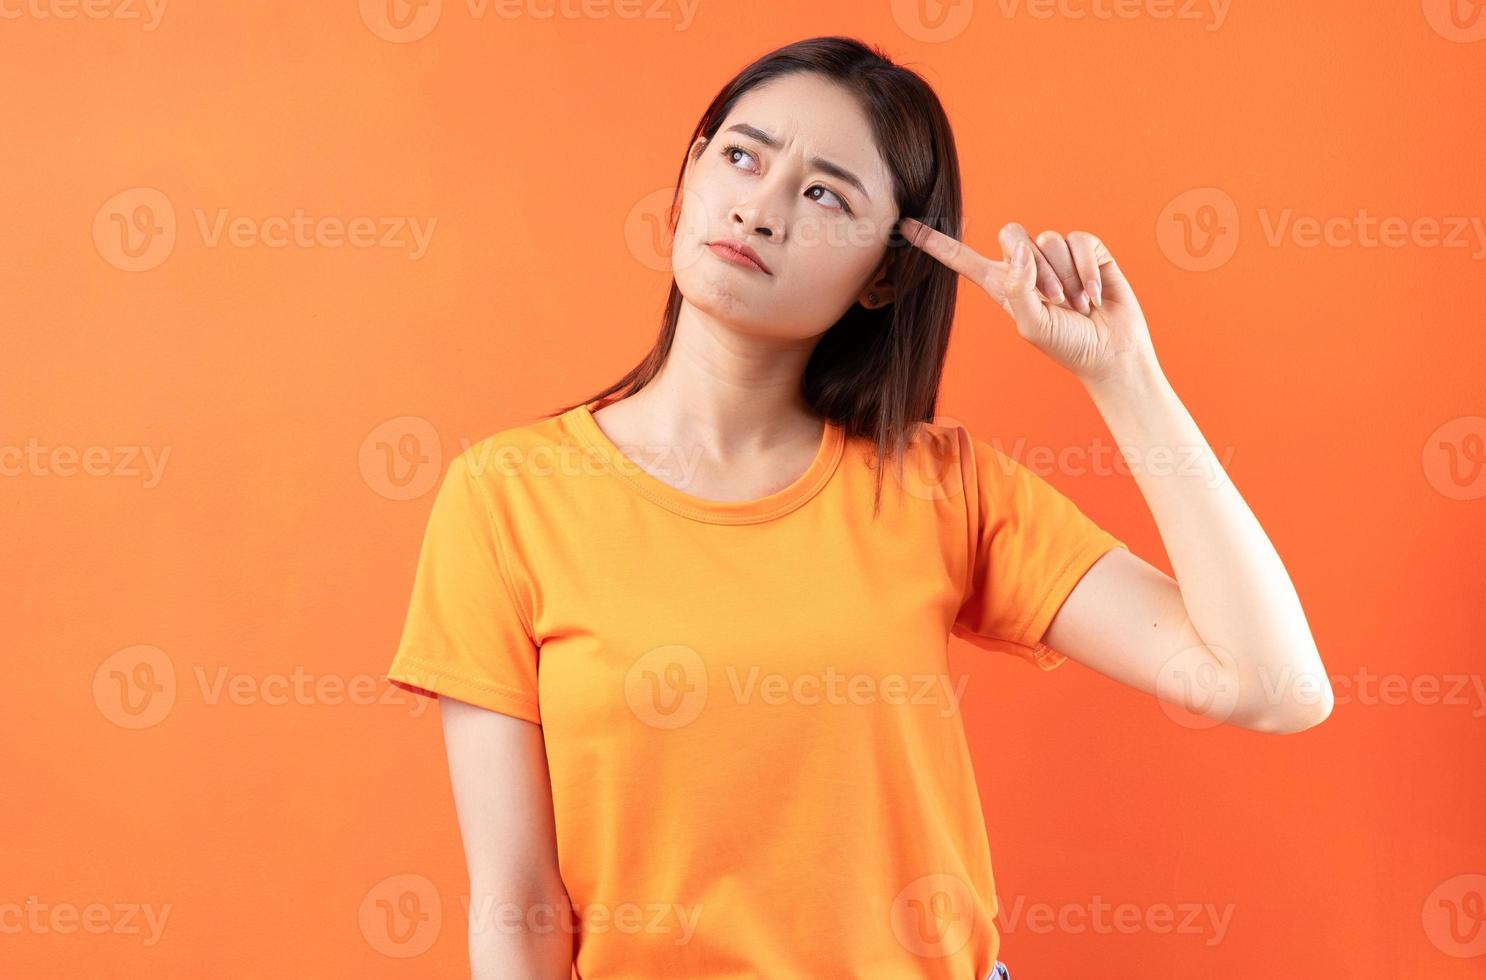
(874, 372)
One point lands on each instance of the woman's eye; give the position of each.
(826, 190)
(728, 151)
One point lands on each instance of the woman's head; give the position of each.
(793, 172)
(810, 156)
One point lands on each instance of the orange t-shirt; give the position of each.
(757, 759)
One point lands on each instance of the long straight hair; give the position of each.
(876, 372)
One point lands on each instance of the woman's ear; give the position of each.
(880, 292)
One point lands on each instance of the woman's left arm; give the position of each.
(1226, 638)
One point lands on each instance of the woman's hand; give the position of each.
(1085, 316)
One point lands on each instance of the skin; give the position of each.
(1226, 639)
(503, 798)
(723, 421)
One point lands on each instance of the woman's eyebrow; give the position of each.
(819, 163)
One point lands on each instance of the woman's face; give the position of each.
(793, 173)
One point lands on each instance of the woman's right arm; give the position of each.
(519, 923)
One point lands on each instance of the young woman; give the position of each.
(696, 703)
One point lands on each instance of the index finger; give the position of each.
(953, 253)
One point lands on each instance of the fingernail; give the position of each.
(1081, 300)
(1019, 255)
(1094, 293)
(1059, 296)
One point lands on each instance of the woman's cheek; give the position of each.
(823, 291)
(843, 278)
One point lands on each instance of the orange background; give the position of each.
(308, 397)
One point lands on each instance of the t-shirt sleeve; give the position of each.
(467, 634)
(1029, 544)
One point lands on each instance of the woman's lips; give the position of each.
(731, 253)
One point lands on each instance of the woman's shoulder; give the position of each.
(943, 441)
(953, 439)
(519, 449)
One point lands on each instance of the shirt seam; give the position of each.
(502, 556)
(971, 495)
(808, 493)
(437, 670)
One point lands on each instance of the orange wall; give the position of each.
(1340, 377)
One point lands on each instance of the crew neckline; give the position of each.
(808, 484)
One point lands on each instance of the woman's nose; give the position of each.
(760, 213)
(755, 221)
